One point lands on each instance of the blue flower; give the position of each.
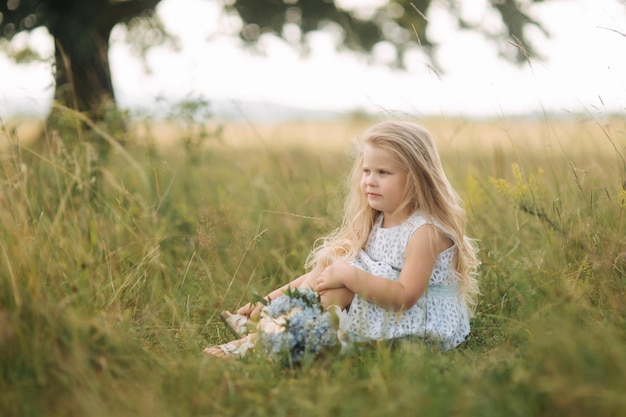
(295, 327)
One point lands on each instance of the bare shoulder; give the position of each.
(431, 238)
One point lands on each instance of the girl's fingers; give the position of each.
(245, 310)
(256, 312)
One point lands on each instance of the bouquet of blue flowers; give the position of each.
(294, 327)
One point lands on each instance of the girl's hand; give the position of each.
(252, 310)
(333, 276)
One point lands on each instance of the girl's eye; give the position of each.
(382, 172)
(366, 171)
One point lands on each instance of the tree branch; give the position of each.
(124, 11)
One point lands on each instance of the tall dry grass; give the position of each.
(113, 270)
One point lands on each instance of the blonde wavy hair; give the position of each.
(427, 190)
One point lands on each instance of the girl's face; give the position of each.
(383, 182)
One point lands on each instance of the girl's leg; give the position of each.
(341, 297)
(253, 310)
(236, 348)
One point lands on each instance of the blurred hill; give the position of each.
(221, 109)
(267, 111)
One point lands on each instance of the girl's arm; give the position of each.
(253, 309)
(422, 250)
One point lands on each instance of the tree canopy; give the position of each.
(81, 31)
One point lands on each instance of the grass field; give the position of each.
(113, 272)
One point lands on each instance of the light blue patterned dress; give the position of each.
(439, 315)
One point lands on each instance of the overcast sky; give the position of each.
(585, 71)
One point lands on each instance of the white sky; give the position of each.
(585, 71)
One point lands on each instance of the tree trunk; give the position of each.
(83, 75)
(81, 31)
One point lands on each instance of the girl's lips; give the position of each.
(373, 195)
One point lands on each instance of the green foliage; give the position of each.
(82, 31)
(110, 285)
(399, 23)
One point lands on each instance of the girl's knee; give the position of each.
(310, 281)
(341, 297)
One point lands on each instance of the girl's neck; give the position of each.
(393, 219)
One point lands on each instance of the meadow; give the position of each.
(113, 271)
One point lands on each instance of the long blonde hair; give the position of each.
(427, 190)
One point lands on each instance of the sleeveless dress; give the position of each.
(440, 315)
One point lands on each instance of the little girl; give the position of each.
(400, 262)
